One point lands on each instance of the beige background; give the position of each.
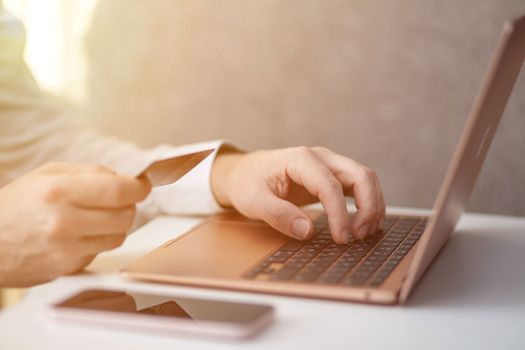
(386, 82)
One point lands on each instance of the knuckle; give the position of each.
(365, 173)
(278, 215)
(302, 151)
(370, 173)
(332, 185)
(50, 192)
(320, 149)
(55, 226)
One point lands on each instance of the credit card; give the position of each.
(167, 171)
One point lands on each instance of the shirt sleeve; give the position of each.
(192, 194)
(35, 130)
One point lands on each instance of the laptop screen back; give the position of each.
(473, 146)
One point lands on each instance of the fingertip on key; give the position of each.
(301, 228)
(363, 231)
(345, 235)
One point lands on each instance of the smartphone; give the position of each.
(174, 315)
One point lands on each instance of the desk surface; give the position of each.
(473, 296)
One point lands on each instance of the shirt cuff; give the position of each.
(190, 195)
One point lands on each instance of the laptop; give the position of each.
(229, 251)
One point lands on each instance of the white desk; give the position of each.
(473, 297)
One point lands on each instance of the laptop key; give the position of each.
(391, 263)
(308, 274)
(284, 274)
(355, 281)
(279, 257)
(292, 246)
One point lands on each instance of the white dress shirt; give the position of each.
(34, 130)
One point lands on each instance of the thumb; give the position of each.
(285, 217)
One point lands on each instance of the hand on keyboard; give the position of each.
(271, 185)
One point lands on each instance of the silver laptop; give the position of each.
(229, 251)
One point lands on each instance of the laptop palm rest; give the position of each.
(215, 249)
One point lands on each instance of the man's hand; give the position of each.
(270, 185)
(54, 220)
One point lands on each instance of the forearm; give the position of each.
(49, 137)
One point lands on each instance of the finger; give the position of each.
(80, 264)
(104, 242)
(362, 183)
(306, 170)
(88, 246)
(92, 222)
(381, 199)
(374, 228)
(73, 168)
(369, 213)
(106, 190)
(283, 216)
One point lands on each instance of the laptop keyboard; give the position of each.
(320, 260)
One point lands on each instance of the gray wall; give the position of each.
(387, 82)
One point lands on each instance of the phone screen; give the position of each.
(189, 309)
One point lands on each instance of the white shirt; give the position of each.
(34, 130)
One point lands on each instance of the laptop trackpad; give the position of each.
(214, 250)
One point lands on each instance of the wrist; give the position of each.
(221, 174)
